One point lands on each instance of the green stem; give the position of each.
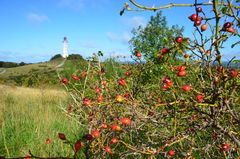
(85, 82)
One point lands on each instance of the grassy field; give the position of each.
(40, 74)
(29, 116)
(22, 70)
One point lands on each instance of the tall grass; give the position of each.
(29, 116)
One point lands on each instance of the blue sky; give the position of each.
(33, 30)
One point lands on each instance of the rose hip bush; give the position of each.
(188, 106)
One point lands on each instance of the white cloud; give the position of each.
(15, 56)
(137, 21)
(112, 36)
(6, 55)
(36, 18)
(126, 37)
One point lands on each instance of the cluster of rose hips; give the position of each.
(96, 133)
(162, 52)
(233, 73)
(181, 71)
(74, 77)
(197, 20)
(228, 27)
(167, 83)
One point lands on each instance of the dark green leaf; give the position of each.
(100, 53)
(122, 11)
(233, 45)
(224, 10)
(236, 61)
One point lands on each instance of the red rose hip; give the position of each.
(114, 140)
(182, 73)
(193, 17)
(126, 121)
(165, 50)
(64, 81)
(199, 9)
(171, 152)
(186, 88)
(179, 39)
(96, 133)
(203, 27)
(199, 98)
(62, 136)
(225, 147)
(181, 68)
(108, 149)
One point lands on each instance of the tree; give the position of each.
(57, 56)
(152, 38)
(22, 63)
(8, 64)
(75, 57)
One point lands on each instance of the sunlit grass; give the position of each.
(29, 116)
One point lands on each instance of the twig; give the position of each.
(228, 133)
(135, 149)
(166, 6)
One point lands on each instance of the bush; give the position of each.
(187, 109)
(8, 64)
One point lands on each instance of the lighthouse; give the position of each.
(65, 47)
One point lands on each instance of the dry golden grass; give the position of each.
(29, 116)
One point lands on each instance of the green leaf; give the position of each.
(236, 61)
(100, 53)
(233, 45)
(122, 11)
(224, 10)
(166, 40)
(185, 41)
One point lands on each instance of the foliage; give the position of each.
(11, 64)
(154, 36)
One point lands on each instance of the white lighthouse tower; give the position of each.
(65, 47)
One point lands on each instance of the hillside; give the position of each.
(33, 75)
